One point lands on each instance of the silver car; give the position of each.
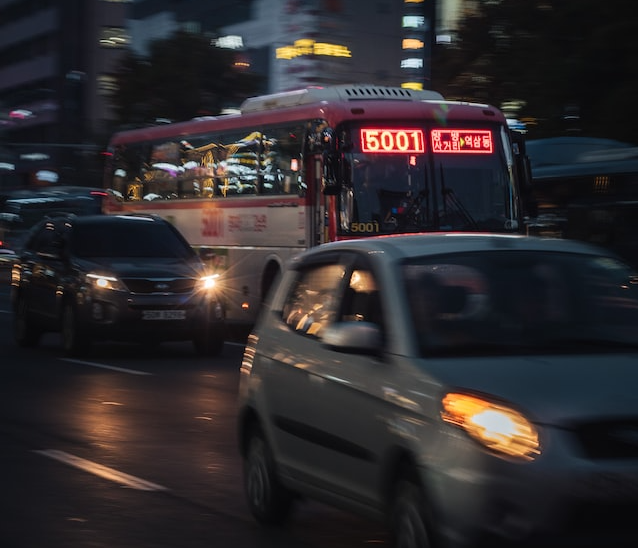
(471, 390)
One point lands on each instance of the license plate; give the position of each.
(163, 314)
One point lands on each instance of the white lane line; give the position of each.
(103, 471)
(103, 366)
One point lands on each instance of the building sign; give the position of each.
(307, 47)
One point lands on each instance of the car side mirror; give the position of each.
(353, 337)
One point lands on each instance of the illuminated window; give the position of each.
(308, 46)
(413, 21)
(413, 1)
(412, 85)
(412, 43)
(106, 84)
(114, 37)
(229, 42)
(413, 63)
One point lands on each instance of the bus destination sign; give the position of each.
(393, 140)
(473, 141)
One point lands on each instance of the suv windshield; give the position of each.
(127, 238)
(522, 302)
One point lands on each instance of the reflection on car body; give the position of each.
(471, 389)
(131, 278)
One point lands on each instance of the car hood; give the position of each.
(128, 267)
(551, 389)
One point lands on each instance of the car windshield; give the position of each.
(138, 238)
(521, 302)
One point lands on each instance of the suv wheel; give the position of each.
(408, 521)
(25, 333)
(74, 341)
(269, 501)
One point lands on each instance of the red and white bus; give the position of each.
(301, 168)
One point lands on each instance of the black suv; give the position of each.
(124, 277)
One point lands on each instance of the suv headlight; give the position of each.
(208, 283)
(101, 281)
(493, 425)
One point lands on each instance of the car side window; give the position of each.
(312, 303)
(361, 302)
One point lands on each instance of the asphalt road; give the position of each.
(134, 447)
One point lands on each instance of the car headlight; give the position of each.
(207, 283)
(495, 426)
(101, 281)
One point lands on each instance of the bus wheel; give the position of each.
(25, 333)
(74, 341)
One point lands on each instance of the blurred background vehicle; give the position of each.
(22, 209)
(130, 278)
(587, 189)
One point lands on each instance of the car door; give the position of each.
(45, 267)
(329, 406)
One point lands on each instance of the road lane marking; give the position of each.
(103, 366)
(102, 471)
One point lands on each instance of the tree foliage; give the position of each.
(571, 64)
(182, 77)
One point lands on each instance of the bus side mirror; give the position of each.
(330, 179)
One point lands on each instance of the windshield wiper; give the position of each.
(450, 198)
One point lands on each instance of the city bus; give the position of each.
(296, 169)
(22, 208)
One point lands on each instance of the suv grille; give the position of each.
(149, 285)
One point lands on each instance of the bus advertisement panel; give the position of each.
(301, 168)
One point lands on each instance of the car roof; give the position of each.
(417, 245)
(99, 219)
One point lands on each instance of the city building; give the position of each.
(57, 59)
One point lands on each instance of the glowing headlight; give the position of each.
(495, 426)
(99, 281)
(208, 282)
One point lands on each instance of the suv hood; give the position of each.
(127, 267)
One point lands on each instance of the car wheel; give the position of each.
(408, 521)
(25, 333)
(269, 501)
(74, 341)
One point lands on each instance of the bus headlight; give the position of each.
(101, 281)
(495, 426)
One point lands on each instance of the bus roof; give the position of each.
(351, 92)
(334, 104)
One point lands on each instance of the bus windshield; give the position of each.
(418, 178)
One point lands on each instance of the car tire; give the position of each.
(268, 500)
(25, 333)
(74, 341)
(408, 522)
